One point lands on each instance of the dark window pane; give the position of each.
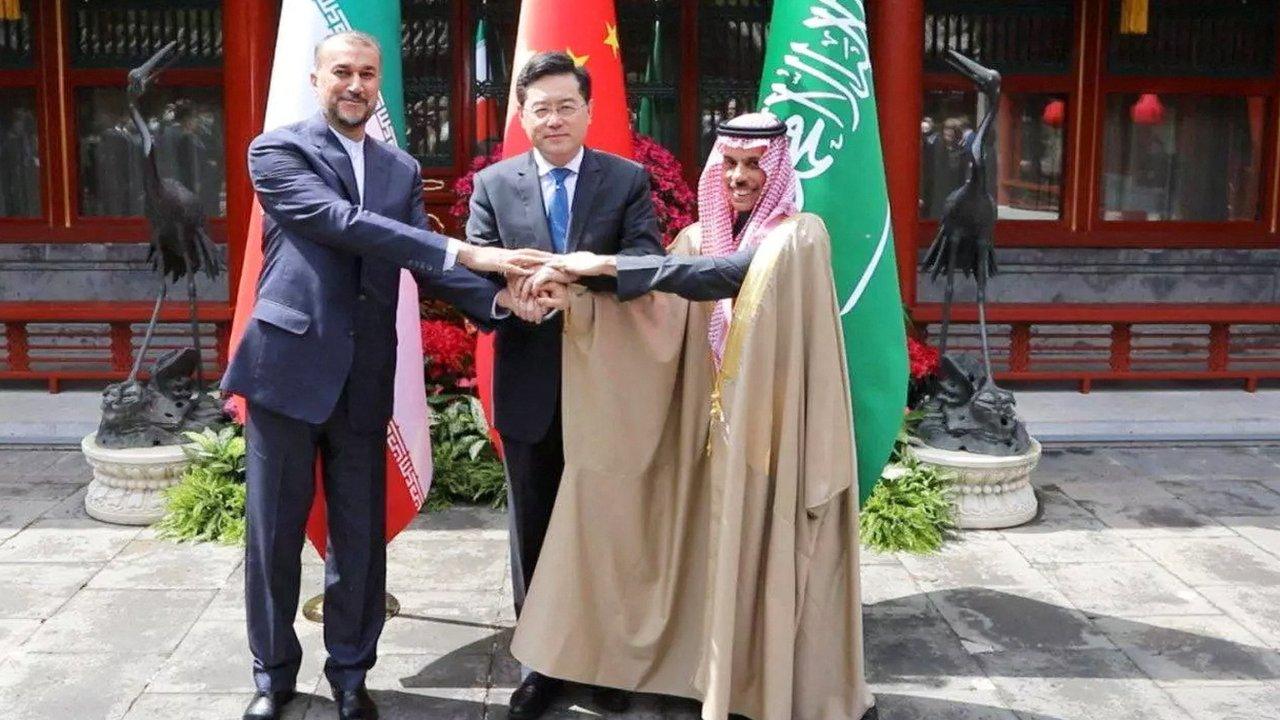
(427, 52)
(19, 154)
(1194, 37)
(731, 44)
(650, 33)
(1013, 36)
(1182, 157)
(186, 124)
(17, 41)
(1026, 177)
(124, 33)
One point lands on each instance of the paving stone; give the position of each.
(391, 682)
(27, 464)
(228, 604)
(1200, 463)
(1075, 546)
(1261, 531)
(1252, 607)
(121, 621)
(188, 706)
(1247, 702)
(1215, 561)
(910, 706)
(67, 541)
(989, 620)
(460, 521)
(1179, 650)
(26, 490)
(1126, 589)
(576, 704)
(985, 559)
(92, 686)
(1077, 685)
(161, 564)
(1227, 497)
(892, 587)
(214, 658)
(439, 623)
(18, 514)
(13, 633)
(1142, 508)
(72, 508)
(36, 590)
(1057, 512)
(919, 648)
(1078, 464)
(447, 564)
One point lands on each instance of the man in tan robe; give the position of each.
(704, 542)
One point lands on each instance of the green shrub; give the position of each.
(207, 505)
(465, 466)
(910, 508)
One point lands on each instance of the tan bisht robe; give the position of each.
(704, 539)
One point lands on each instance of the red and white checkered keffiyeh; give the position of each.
(777, 202)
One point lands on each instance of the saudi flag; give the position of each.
(290, 98)
(817, 78)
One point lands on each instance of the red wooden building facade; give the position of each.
(1139, 179)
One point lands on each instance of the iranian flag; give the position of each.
(303, 23)
(487, 127)
(817, 78)
(588, 31)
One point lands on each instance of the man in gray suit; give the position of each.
(559, 197)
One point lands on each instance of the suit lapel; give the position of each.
(584, 194)
(376, 177)
(333, 153)
(530, 189)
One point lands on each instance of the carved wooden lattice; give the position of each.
(1014, 36)
(124, 33)
(426, 49)
(1193, 37)
(731, 45)
(16, 42)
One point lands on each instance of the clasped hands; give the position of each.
(537, 281)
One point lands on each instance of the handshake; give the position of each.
(537, 281)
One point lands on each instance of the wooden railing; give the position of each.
(1124, 342)
(56, 342)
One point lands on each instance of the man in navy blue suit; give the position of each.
(343, 215)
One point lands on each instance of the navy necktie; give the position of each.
(559, 215)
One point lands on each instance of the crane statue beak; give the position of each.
(979, 74)
(140, 78)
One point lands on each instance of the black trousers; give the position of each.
(533, 478)
(281, 481)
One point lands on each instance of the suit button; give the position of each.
(362, 297)
(351, 333)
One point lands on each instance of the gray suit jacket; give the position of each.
(612, 214)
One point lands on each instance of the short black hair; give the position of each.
(546, 64)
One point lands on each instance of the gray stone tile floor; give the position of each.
(1148, 588)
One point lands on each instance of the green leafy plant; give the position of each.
(207, 505)
(465, 466)
(910, 507)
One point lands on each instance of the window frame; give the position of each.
(56, 83)
(1257, 233)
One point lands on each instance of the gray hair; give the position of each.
(354, 37)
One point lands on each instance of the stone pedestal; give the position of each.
(127, 484)
(989, 491)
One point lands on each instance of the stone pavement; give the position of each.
(1148, 589)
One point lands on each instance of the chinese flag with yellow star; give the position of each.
(588, 31)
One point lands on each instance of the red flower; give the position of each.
(923, 358)
(448, 347)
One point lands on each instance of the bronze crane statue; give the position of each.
(965, 239)
(180, 245)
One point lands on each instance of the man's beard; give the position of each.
(335, 117)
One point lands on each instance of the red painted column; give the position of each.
(249, 34)
(896, 31)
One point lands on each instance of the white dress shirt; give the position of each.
(355, 152)
(549, 183)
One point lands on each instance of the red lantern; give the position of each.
(1148, 110)
(1054, 113)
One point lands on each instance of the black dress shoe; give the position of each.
(533, 697)
(355, 704)
(267, 705)
(611, 699)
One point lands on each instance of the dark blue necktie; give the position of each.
(559, 215)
